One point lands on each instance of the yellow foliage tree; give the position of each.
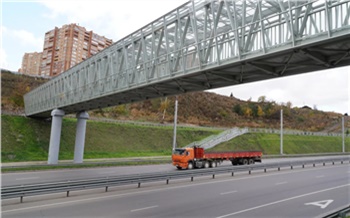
(248, 112)
(260, 111)
(164, 105)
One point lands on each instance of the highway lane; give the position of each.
(287, 193)
(73, 174)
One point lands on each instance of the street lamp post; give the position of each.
(343, 131)
(175, 125)
(281, 144)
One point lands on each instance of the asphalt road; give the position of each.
(74, 174)
(308, 192)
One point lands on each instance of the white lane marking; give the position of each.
(145, 208)
(226, 193)
(321, 204)
(283, 200)
(321, 176)
(28, 178)
(168, 188)
(281, 183)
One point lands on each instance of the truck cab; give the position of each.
(183, 158)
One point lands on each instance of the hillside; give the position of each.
(25, 139)
(197, 108)
(13, 87)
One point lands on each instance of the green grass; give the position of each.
(292, 144)
(26, 139)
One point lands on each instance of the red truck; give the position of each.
(189, 158)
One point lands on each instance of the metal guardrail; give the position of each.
(22, 191)
(295, 132)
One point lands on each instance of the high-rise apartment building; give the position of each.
(31, 63)
(67, 46)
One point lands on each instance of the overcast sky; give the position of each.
(24, 24)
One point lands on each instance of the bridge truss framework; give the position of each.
(203, 45)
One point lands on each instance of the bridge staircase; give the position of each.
(214, 140)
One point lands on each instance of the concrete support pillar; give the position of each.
(80, 137)
(55, 137)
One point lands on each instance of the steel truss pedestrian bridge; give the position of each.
(203, 45)
(197, 46)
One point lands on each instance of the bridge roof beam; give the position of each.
(264, 68)
(222, 75)
(317, 57)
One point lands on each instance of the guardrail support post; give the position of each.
(167, 181)
(80, 137)
(279, 168)
(291, 167)
(106, 188)
(232, 174)
(303, 166)
(67, 193)
(324, 164)
(213, 176)
(265, 170)
(314, 164)
(333, 162)
(192, 179)
(55, 136)
(21, 200)
(139, 185)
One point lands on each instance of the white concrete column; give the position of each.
(80, 137)
(55, 137)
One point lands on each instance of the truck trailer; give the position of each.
(189, 158)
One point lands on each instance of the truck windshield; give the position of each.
(179, 151)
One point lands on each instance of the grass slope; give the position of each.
(26, 139)
(292, 144)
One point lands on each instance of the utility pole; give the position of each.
(175, 124)
(281, 144)
(343, 132)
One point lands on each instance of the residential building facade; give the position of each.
(67, 46)
(31, 63)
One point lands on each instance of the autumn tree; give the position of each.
(262, 99)
(260, 112)
(164, 105)
(248, 112)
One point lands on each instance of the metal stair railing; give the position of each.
(212, 141)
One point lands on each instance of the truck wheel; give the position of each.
(251, 161)
(206, 164)
(214, 164)
(245, 161)
(190, 166)
(234, 162)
